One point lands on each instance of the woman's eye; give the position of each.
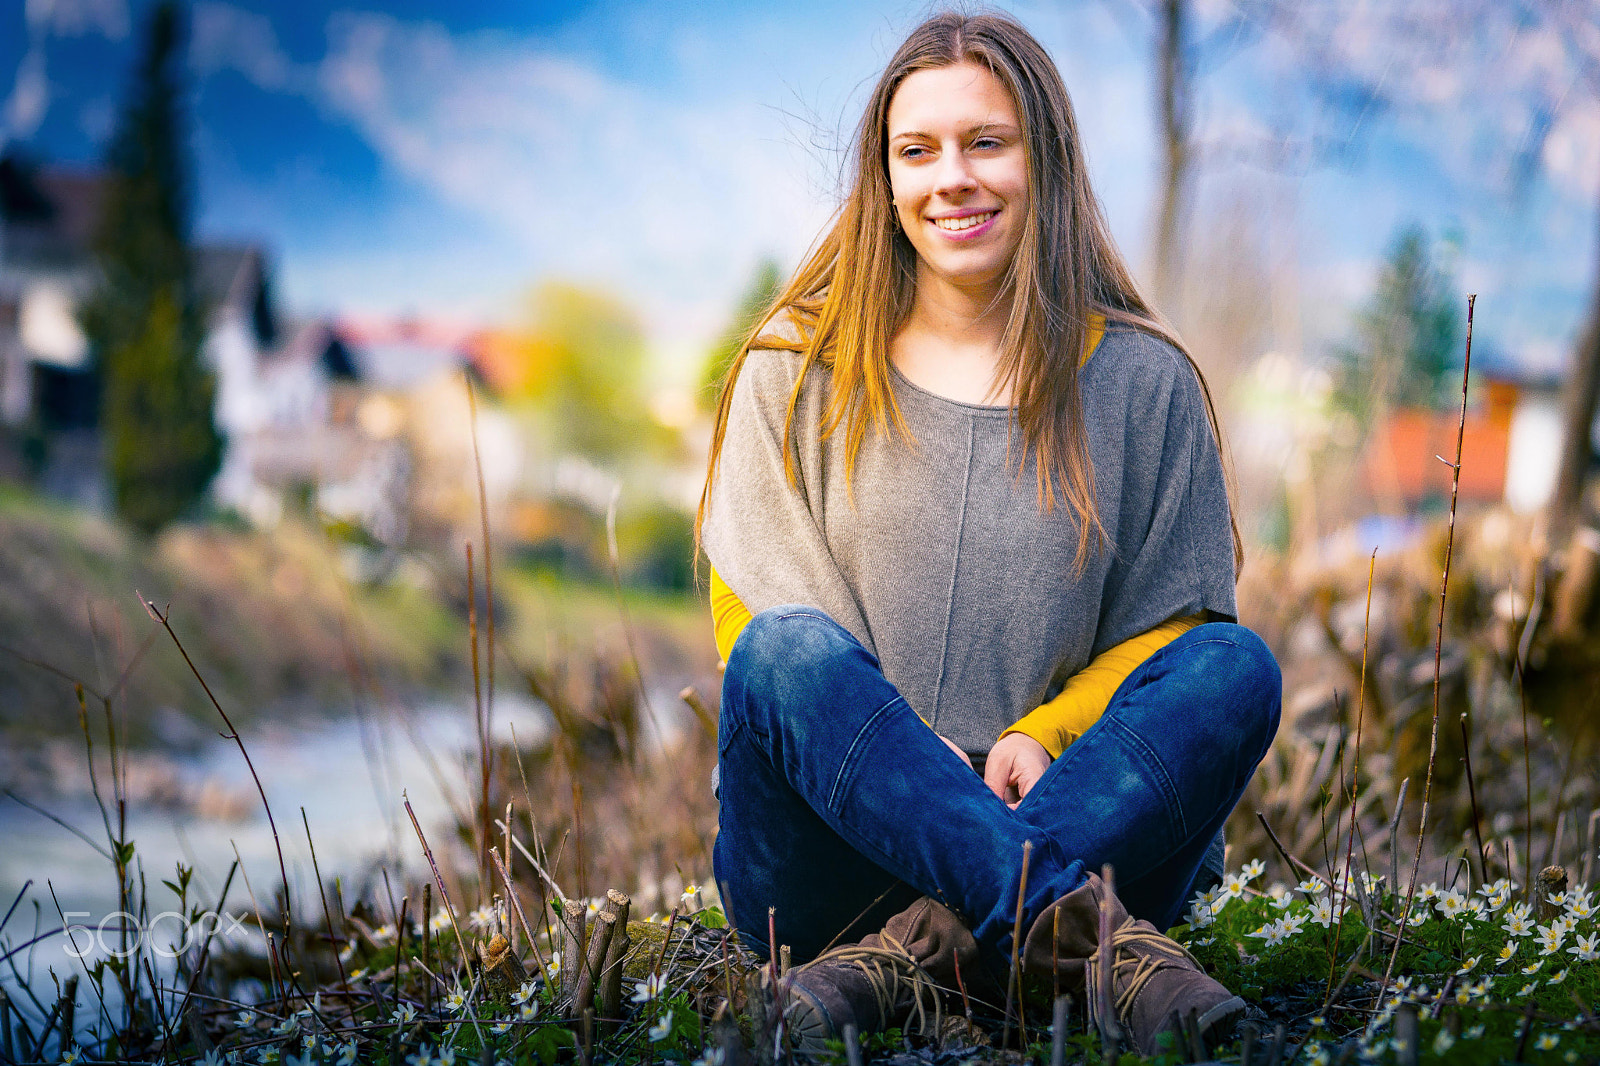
(912, 151)
(986, 142)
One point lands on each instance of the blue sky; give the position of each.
(441, 158)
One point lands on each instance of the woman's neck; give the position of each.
(950, 342)
(965, 315)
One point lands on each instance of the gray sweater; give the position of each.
(941, 561)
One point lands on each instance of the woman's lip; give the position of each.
(965, 234)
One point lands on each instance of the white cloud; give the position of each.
(1572, 152)
(73, 18)
(671, 200)
(29, 99)
(224, 37)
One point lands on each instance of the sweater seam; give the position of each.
(955, 569)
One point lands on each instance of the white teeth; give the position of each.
(964, 223)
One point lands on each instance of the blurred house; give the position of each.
(48, 390)
(49, 379)
(365, 421)
(1510, 448)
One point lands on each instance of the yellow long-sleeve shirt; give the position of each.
(1054, 724)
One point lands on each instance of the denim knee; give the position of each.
(1240, 663)
(783, 651)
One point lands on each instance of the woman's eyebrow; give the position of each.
(985, 127)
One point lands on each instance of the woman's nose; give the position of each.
(955, 175)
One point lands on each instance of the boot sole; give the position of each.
(809, 1023)
(1218, 1023)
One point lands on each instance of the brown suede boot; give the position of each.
(890, 978)
(1154, 981)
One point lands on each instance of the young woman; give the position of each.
(965, 512)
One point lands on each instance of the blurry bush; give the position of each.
(655, 543)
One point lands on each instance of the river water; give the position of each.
(350, 774)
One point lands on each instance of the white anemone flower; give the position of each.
(662, 1029)
(1586, 949)
(1272, 933)
(648, 989)
(1322, 912)
(1550, 938)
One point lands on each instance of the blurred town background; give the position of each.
(295, 296)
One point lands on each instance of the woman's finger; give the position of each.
(997, 771)
(1027, 774)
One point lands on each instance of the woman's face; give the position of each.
(958, 172)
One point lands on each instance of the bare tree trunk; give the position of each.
(1174, 94)
(1582, 391)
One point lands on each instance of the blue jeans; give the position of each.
(839, 805)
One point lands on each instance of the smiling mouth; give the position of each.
(965, 222)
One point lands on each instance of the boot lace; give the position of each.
(1136, 956)
(892, 975)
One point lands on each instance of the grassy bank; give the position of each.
(273, 620)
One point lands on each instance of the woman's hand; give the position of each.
(952, 746)
(1015, 763)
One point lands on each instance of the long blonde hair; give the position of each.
(855, 290)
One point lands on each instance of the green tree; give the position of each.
(144, 319)
(585, 358)
(1407, 338)
(756, 300)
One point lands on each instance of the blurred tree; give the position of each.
(582, 361)
(1406, 338)
(1186, 40)
(1175, 63)
(757, 299)
(144, 320)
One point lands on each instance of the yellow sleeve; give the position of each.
(1080, 704)
(729, 615)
